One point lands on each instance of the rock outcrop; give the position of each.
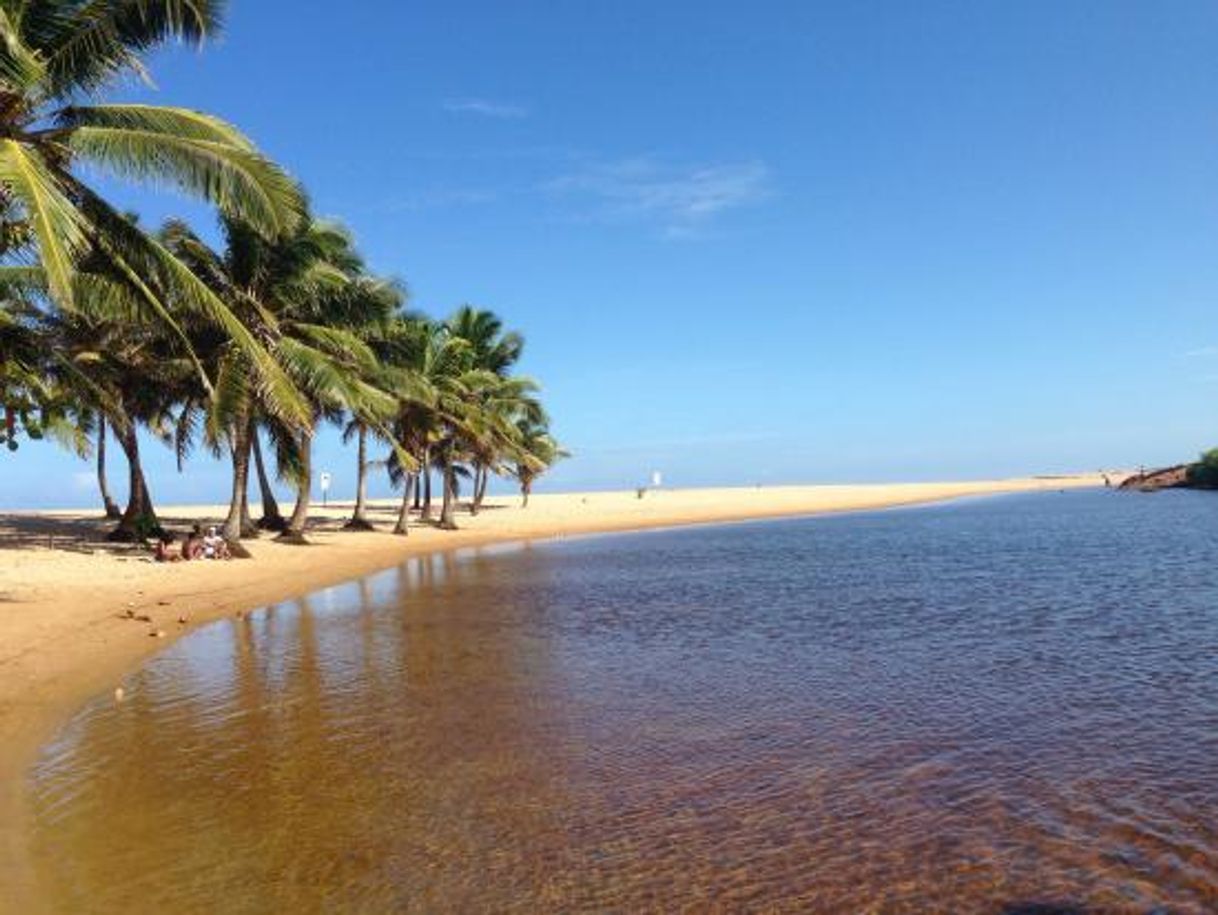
(1179, 476)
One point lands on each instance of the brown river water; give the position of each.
(1007, 705)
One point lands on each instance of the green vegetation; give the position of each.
(106, 327)
(1204, 473)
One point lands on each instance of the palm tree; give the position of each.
(107, 330)
(328, 356)
(473, 406)
(502, 402)
(55, 52)
(127, 370)
(305, 295)
(272, 519)
(431, 363)
(492, 350)
(357, 428)
(477, 413)
(24, 390)
(538, 453)
(393, 374)
(84, 432)
(108, 504)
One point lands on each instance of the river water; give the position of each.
(985, 706)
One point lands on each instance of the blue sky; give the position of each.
(773, 242)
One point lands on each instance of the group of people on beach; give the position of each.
(197, 545)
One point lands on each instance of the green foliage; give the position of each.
(17, 422)
(1204, 473)
(103, 324)
(55, 53)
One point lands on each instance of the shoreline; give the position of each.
(64, 597)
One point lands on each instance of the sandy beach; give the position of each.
(76, 613)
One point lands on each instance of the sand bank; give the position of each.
(66, 596)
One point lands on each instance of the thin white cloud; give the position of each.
(682, 200)
(504, 111)
(1202, 352)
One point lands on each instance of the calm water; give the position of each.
(971, 708)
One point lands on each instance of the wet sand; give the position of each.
(65, 596)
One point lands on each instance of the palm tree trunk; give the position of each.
(111, 507)
(404, 513)
(238, 506)
(359, 519)
(447, 510)
(418, 491)
(294, 533)
(482, 476)
(477, 484)
(240, 459)
(139, 519)
(526, 487)
(249, 530)
(425, 470)
(271, 519)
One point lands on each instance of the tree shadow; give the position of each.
(76, 533)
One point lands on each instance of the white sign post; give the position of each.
(324, 479)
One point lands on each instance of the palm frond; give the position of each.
(186, 429)
(158, 119)
(59, 227)
(181, 286)
(230, 403)
(87, 44)
(95, 297)
(237, 179)
(338, 342)
(20, 65)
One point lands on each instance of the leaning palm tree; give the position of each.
(393, 374)
(272, 519)
(432, 362)
(83, 431)
(103, 358)
(473, 407)
(415, 358)
(538, 452)
(109, 506)
(492, 350)
(477, 415)
(303, 293)
(54, 53)
(126, 369)
(494, 443)
(324, 349)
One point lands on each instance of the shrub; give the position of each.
(1205, 471)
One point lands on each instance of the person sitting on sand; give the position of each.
(163, 551)
(192, 546)
(215, 546)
